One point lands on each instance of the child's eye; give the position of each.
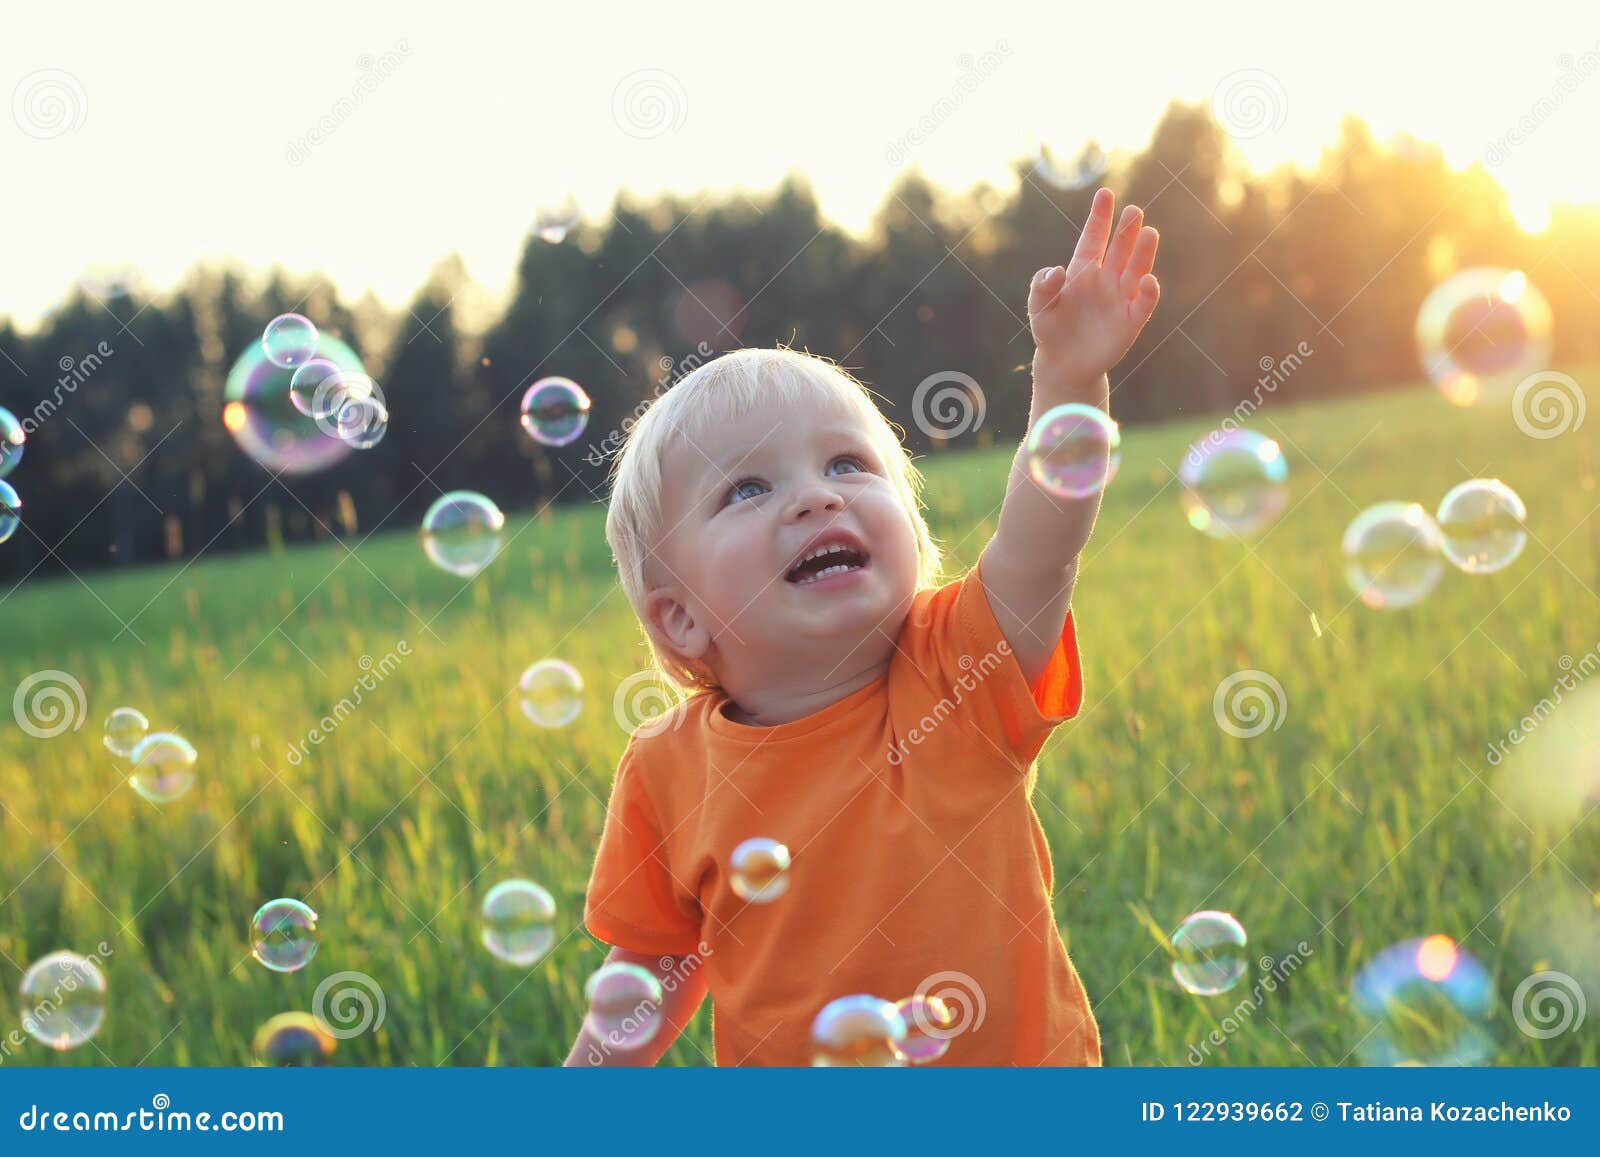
(738, 489)
(853, 460)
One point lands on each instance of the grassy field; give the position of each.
(1368, 817)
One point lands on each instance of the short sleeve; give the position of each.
(957, 643)
(632, 901)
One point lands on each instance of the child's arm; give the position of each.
(1084, 318)
(683, 988)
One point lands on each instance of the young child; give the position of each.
(881, 727)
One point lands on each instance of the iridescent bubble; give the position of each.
(858, 1030)
(283, 935)
(758, 870)
(552, 222)
(289, 340)
(1086, 170)
(268, 424)
(1392, 555)
(552, 693)
(124, 728)
(12, 438)
(306, 388)
(1234, 484)
(1481, 521)
(461, 532)
(63, 1000)
(295, 1039)
(1074, 450)
(1481, 331)
(10, 511)
(624, 1005)
(1208, 953)
(555, 411)
(362, 422)
(519, 922)
(1424, 1002)
(929, 1025)
(163, 766)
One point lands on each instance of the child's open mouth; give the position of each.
(826, 562)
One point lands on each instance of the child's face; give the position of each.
(742, 505)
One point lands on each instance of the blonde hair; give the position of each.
(725, 388)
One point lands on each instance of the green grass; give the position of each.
(1361, 821)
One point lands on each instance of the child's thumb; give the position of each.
(1045, 288)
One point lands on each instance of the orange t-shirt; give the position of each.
(918, 862)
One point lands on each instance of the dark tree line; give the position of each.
(1251, 267)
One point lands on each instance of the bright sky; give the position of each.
(171, 136)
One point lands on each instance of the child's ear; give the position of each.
(673, 623)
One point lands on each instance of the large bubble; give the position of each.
(1482, 331)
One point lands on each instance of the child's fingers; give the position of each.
(1092, 245)
(1045, 289)
(1144, 303)
(1141, 261)
(1127, 233)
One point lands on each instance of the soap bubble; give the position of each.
(555, 411)
(12, 438)
(294, 1039)
(1482, 331)
(1234, 484)
(1086, 170)
(63, 1000)
(362, 422)
(1481, 521)
(759, 870)
(163, 766)
(519, 922)
(461, 532)
(1425, 1002)
(858, 1030)
(553, 221)
(1208, 953)
(552, 693)
(929, 1025)
(124, 728)
(289, 340)
(10, 511)
(283, 935)
(624, 1005)
(261, 412)
(1392, 555)
(313, 390)
(1074, 450)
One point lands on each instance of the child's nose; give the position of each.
(815, 498)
